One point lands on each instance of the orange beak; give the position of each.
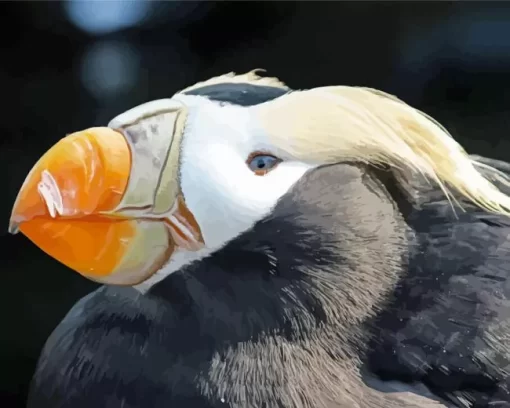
(69, 207)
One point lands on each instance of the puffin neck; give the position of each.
(331, 250)
(327, 268)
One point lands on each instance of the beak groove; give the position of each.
(184, 229)
(48, 189)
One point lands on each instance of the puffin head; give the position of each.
(174, 180)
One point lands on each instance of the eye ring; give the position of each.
(262, 163)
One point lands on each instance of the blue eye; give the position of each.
(261, 164)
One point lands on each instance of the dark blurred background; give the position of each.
(76, 64)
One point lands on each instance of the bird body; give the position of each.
(333, 275)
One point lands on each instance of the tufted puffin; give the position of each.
(263, 247)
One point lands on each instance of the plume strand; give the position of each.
(251, 78)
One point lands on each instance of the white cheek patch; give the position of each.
(232, 199)
(224, 195)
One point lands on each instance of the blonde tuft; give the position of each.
(340, 123)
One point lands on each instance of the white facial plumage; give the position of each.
(224, 195)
